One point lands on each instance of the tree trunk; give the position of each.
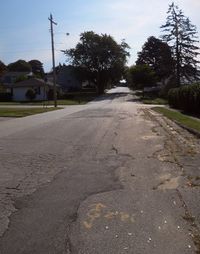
(100, 84)
(178, 75)
(100, 88)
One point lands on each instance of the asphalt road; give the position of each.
(107, 177)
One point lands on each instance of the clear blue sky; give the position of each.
(24, 24)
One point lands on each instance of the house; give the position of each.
(65, 78)
(19, 89)
(12, 76)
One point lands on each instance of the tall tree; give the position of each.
(37, 68)
(182, 37)
(99, 57)
(157, 54)
(20, 66)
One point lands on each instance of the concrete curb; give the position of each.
(194, 132)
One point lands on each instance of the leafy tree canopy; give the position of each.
(20, 66)
(100, 57)
(142, 76)
(182, 37)
(37, 68)
(157, 54)
(21, 78)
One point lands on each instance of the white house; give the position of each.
(41, 88)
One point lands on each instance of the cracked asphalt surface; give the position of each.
(108, 177)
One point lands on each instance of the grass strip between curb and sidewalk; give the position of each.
(22, 112)
(187, 122)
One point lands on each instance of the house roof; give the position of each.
(32, 82)
(11, 76)
(17, 73)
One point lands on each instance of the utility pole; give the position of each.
(53, 60)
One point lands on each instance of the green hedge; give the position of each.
(186, 98)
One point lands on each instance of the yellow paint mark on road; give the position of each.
(93, 214)
(110, 215)
(124, 216)
(132, 218)
(99, 206)
(87, 225)
(99, 211)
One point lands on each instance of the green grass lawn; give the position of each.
(74, 99)
(151, 99)
(51, 102)
(59, 102)
(155, 101)
(6, 103)
(183, 119)
(21, 112)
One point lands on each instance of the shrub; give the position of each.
(173, 99)
(186, 98)
(30, 94)
(167, 85)
(5, 97)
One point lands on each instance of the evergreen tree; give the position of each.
(182, 37)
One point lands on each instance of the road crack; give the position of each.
(178, 145)
(195, 230)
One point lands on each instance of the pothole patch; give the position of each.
(168, 183)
